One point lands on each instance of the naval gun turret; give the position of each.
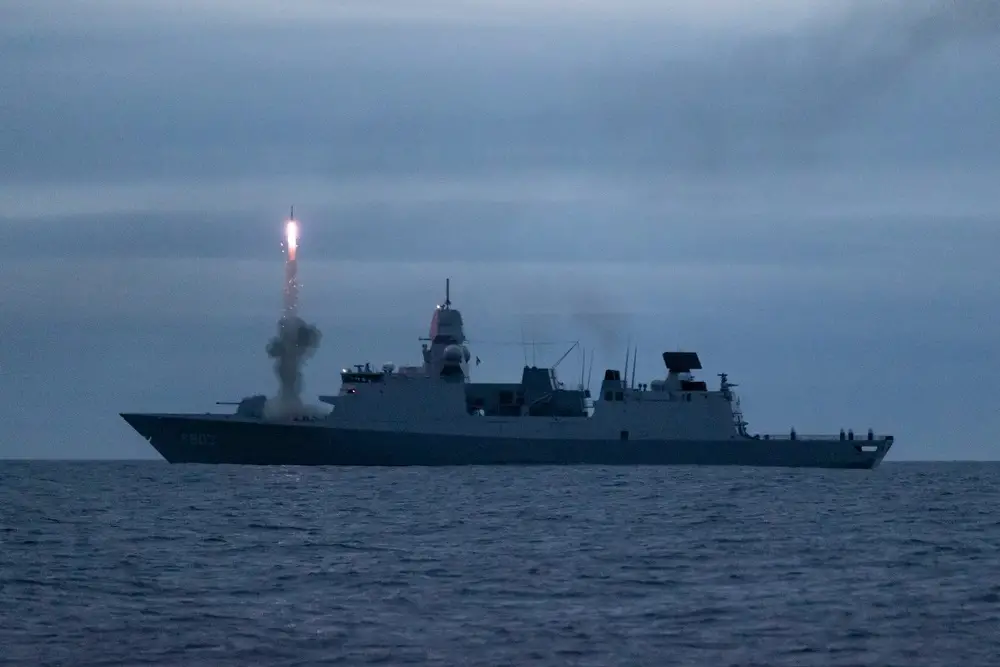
(251, 407)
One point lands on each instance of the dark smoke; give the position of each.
(784, 96)
(607, 328)
(294, 344)
(843, 67)
(600, 315)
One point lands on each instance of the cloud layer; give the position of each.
(155, 98)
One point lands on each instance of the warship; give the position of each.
(432, 414)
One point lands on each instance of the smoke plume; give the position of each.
(876, 46)
(295, 342)
(601, 315)
(791, 96)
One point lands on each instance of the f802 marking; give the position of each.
(199, 439)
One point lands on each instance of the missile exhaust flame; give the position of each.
(292, 238)
(291, 269)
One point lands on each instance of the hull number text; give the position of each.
(198, 439)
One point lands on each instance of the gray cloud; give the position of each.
(293, 99)
(500, 234)
(868, 83)
(791, 219)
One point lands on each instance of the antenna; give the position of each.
(524, 346)
(572, 347)
(628, 348)
(447, 292)
(590, 369)
(635, 353)
(291, 214)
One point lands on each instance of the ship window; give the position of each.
(619, 396)
(609, 396)
(624, 435)
(507, 397)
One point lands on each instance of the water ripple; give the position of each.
(110, 564)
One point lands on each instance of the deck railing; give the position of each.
(858, 437)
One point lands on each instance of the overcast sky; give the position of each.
(806, 193)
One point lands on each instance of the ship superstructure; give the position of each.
(433, 414)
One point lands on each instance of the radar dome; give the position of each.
(453, 354)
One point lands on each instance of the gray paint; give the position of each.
(223, 439)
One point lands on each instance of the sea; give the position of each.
(144, 563)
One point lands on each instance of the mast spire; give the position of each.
(625, 371)
(447, 292)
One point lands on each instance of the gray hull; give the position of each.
(224, 439)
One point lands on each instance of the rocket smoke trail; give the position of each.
(295, 342)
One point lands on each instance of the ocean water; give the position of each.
(151, 564)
